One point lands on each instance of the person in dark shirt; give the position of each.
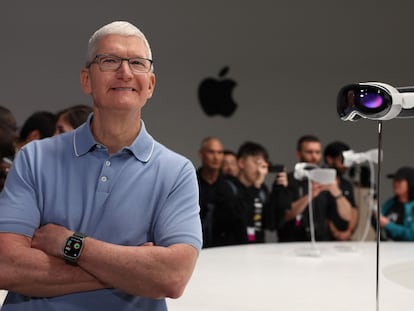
(209, 177)
(245, 206)
(327, 200)
(230, 166)
(334, 159)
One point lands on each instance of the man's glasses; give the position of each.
(108, 62)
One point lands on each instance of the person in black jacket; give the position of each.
(209, 178)
(245, 208)
(333, 158)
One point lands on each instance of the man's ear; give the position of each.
(151, 85)
(240, 163)
(85, 81)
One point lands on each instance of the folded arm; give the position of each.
(32, 272)
(149, 271)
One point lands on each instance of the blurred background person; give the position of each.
(209, 177)
(230, 166)
(8, 135)
(70, 118)
(397, 220)
(244, 202)
(39, 125)
(333, 158)
(327, 200)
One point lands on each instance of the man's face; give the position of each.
(310, 152)
(62, 126)
(337, 163)
(121, 89)
(400, 187)
(211, 154)
(230, 166)
(251, 166)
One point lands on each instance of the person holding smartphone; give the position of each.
(245, 207)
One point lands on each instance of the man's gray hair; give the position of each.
(115, 28)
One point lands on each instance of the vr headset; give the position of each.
(375, 101)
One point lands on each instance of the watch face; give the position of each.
(73, 247)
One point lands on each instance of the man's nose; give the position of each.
(125, 67)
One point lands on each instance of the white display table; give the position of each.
(273, 277)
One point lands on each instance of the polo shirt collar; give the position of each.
(83, 142)
(143, 146)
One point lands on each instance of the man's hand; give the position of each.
(262, 171)
(383, 221)
(334, 189)
(281, 179)
(317, 188)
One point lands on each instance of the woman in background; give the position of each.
(70, 118)
(397, 212)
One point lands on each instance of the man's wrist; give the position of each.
(73, 247)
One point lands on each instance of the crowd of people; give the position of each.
(237, 206)
(38, 125)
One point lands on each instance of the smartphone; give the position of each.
(276, 168)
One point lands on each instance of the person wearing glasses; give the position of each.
(103, 217)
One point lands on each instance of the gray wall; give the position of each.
(289, 59)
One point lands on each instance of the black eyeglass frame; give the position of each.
(94, 61)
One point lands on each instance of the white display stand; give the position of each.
(271, 276)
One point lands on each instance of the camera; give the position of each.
(276, 168)
(375, 101)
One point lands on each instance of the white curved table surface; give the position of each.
(273, 276)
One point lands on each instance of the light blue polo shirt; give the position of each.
(143, 193)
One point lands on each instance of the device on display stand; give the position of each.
(312, 173)
(352, 158)
(375, 101)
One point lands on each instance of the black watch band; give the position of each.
(73, 247)
(79, 234)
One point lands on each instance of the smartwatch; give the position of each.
(73, 247)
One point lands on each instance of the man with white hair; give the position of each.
(103, 217)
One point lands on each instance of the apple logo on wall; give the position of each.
(215, 95)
